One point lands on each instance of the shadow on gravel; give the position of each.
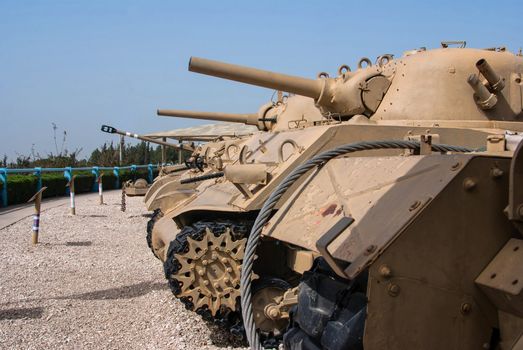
(16, 314)
(125, 292)
(71, 244)
(223, 339)
(79, 244)
(139, 216)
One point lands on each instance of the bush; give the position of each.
(20, 188)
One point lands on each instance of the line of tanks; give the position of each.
(383, 248)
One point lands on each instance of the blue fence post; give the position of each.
(68, 175)
(116, 172)
(38, 174)
(96, 173)
(150, 169)
(3, 178)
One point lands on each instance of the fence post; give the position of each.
(71, 194)
(3, 178)
(133, 172)
(38, 174)
(68, 175)
(96, 173)
(116, 172)
(100, 188)
(151, 175)
(37, 198)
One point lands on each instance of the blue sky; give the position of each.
(81, 64)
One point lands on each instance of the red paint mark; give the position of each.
(330, 210)
(338, 212)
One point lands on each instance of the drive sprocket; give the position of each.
(203, 268)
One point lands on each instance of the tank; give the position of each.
(140, 186)
(112, 130)
(389, 222)
(210, 158)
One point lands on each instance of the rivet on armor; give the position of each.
(385, 271)
(415, 205)
(469, 184)
(496, 173)
(393, 290)
(466, 308)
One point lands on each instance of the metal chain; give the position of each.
(270, 203)
(123, 207)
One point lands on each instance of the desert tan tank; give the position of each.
(404, 244)
(139, 187)
(210, 158)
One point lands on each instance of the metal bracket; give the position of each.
(501, 279)
(495, 143)
(425, 145)
(116, 172)
(244, 189)
(323, 243)
(96, 172)
(296, 148)
(425, 142)
(3, 193)
(244, 154)
(38, 174)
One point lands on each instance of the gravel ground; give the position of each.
(92, 283)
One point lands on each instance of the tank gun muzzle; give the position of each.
(108, 129)
(496, 83)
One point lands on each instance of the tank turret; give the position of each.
(286, 113)
(450, 84)
(342, 95)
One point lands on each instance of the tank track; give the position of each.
(230, 320)
(157, 215)
(330, 313)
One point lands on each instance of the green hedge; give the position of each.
(20, 188)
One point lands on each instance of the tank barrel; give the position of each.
(249, 118)
(297, 85)
(494, 80)
(112, 130)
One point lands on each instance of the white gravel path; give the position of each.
(92, 283)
